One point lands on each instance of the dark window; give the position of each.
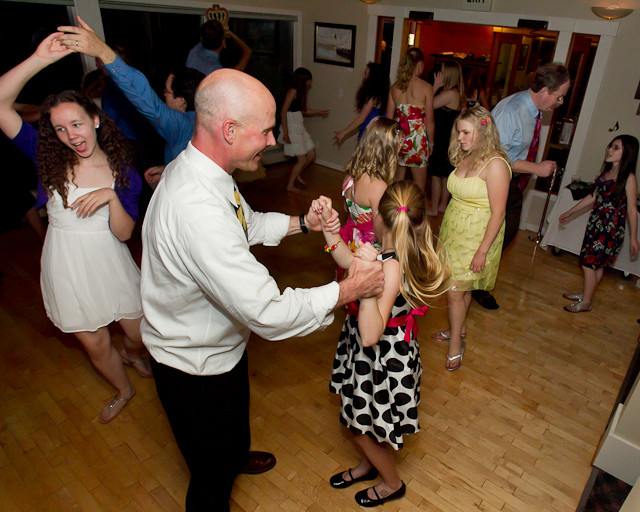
(153, 42)
(156, 42)
(271, 61)
(20, 39)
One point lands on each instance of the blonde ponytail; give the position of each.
(424, 270)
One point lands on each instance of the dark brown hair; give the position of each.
(185, 83)
(375, 86)
(627, 166)
(55, 159)
(298, 82)
(551, 75)
(212, 34)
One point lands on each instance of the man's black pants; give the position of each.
(209, 416)
(512, 213)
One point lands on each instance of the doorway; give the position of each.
(506, 59)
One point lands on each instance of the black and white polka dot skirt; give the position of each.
(379, 386)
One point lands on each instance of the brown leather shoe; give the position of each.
(259, 462)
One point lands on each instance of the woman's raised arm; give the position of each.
(49, 51)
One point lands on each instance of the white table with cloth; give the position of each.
(568, 237)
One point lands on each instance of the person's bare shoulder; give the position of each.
(423, 84)
(497, 166)
(377, 187)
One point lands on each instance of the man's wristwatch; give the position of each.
(303, 226)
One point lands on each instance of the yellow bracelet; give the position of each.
(332, 248)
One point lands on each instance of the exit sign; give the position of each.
(476, 5)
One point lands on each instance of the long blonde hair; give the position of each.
(403, 210)
(377, 151)
(486, 139)
(452, 79)
(407, 66)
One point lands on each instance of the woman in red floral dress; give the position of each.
(411, 105)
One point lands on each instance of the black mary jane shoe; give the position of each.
(337, 482)
(362, 498)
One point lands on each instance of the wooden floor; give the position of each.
(514, 430)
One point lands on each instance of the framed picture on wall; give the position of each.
(334, 44)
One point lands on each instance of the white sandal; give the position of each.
(453, 358)
(441, 336)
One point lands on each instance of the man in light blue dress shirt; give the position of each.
(205, 56)
(515, 118)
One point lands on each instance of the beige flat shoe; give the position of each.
(113, 408)
(578, 307)
(573, 296)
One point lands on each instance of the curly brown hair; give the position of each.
(56, 159)
(377, 153)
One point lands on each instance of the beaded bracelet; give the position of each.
(332, 248)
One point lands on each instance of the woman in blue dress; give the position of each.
(371, 100)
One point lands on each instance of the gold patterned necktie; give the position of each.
(240, 212)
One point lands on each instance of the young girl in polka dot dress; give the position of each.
(377, 367)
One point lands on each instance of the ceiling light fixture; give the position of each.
(612, 12)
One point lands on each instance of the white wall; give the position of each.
(334, 86)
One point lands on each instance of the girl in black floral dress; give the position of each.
(614, 200)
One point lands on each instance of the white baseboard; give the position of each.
(618, 456)
(330, 165)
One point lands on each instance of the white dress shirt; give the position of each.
(202, 289)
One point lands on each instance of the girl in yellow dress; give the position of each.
(472, 228)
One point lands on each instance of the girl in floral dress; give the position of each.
(614, 201)
(411, 105)
(369, 172)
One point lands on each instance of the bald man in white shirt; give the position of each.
(203, 291)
